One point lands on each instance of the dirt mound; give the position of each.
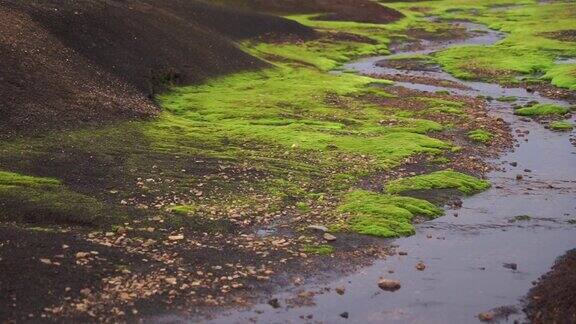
(553, 300)
(66, 63)
(345, 10)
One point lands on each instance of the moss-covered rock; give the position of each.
(541, 110)
(384, 215)
(480, 135)
(446, 179)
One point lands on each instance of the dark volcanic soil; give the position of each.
(74, 62)
(348, 10)
(553, 300)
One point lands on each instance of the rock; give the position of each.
(402, 253)
(125, 296)
(176, 237)
(319, 228)
(512, 266)
(527, 170)
(82, 255)
(274, 303)
(340, 290)
(86, 292)
(389, 285)
(46, 261)
(486, 316)
(420, 266)
(329, 237)
(344, 315)
(171, 281)
(519, 177)
(514, 164)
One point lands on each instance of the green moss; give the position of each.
(45, 200)
(480, 135)
(563, 125)
(526, 50)
(384, 215)
(446, 179)
(10, 179)
(541, 110)
(444, 106)
(183, 209)
(323, 249)
(285, 108)
(562, 75)
(441, 160)
(303, 207)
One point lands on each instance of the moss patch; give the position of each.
(480, 135)
(45, 200)
(563, 125)
(541, 110)
(446, 179)
(323, 249)
(384, 215)
(287, 109)
(525, 50)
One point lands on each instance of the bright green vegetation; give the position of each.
(527, 50)
(480, 135)
(287, 109)
(14, 180)
(446, 179)
(302, 207)
(541, 110)
(183, 209)
(384, 215)
(323, 249)
(562, 75)
(563, 125)
(46, 200)
(444, 106)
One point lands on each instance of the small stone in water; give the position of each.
(389, 285)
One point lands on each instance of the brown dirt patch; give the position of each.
(553, 300)
(408, 64)
(420, 80)
(568, 35)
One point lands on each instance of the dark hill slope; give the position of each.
(348, 10)
(66, 63)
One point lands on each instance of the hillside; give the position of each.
(351, 10)
(75, 62)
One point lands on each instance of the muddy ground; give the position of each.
(553, 299)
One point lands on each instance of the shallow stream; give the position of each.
(465, 256)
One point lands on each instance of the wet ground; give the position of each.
(483, 256)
